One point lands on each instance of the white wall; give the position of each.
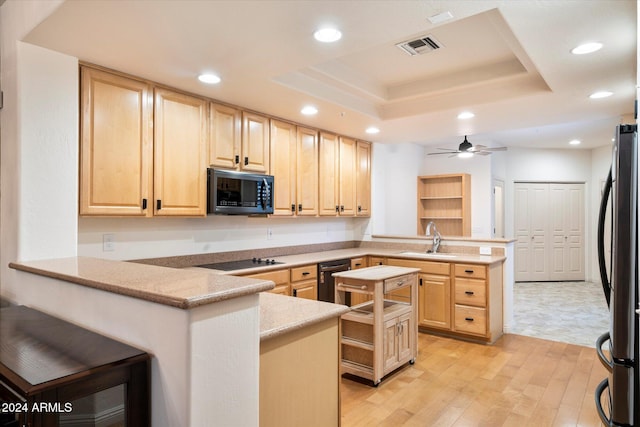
(158, 237)
(394, 188)
(39, 144)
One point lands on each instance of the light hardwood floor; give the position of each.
(518, 381)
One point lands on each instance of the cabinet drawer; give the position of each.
(279, 277)
(472, 320)
(376, 260)
(471, 270)
(358, 263)
(399, 282)
(431, 267)
(471, 292)
(305, 272)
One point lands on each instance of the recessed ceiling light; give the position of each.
(601, 94)
(327, 35)
(466, 115)
(209, 78)
(575, 142)
(372, 130)
(309, 110)
(586, 48)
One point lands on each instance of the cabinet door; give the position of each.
(279, 277)
(307, 172)
(224, 136)
(329, 170)
(116, 152)
(363, 179)
(255, 143)
(180, 154)
(405, 333)
(307, 289)
(434, 301)
(390, 344)
(347, 176)
(283, 167)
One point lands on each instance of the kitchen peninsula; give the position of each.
(203, 330)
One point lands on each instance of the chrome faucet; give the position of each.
(436, 236)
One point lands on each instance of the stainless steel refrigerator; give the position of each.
(618, 395)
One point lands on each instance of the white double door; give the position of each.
(549, 231)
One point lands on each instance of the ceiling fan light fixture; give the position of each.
(465, 146)
(465, 154)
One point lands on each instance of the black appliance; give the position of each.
(240, 264)
(239, 193)
(621, 289)
(326, 282)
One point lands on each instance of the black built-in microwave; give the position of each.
(239, 193)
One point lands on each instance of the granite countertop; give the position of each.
(289, 261)
(280, 314)
(163, 285)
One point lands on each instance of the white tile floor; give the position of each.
(572, 312)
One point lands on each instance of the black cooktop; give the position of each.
(239, 265)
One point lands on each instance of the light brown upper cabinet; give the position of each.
(307, 172)
(135, 164)
(180, 154)
(345, 176)
(329, 172)
(294, 166)
(224, 136)
(116, 152)
(347, 198)
(283, 167)
(255, 143)
(363, 179)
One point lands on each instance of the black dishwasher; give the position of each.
(326, 282)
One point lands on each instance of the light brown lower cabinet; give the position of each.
(301, 282)
(279, 277)
(459, 299)
(300, 377)
(304, 281)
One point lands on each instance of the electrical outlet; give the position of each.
(485, 250)
(269, 234)
(108, 242)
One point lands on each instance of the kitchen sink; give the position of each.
(427, 255)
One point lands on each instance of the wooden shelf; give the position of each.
(445, 200)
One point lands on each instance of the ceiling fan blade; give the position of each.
(446, 149)
(477, 148)
(444, 152)
(482, 153)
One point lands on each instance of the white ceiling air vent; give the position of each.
(420, 45)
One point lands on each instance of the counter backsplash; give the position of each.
(198, 259)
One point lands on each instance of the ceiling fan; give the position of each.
(466, 149)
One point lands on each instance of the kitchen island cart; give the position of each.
(379, 335)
